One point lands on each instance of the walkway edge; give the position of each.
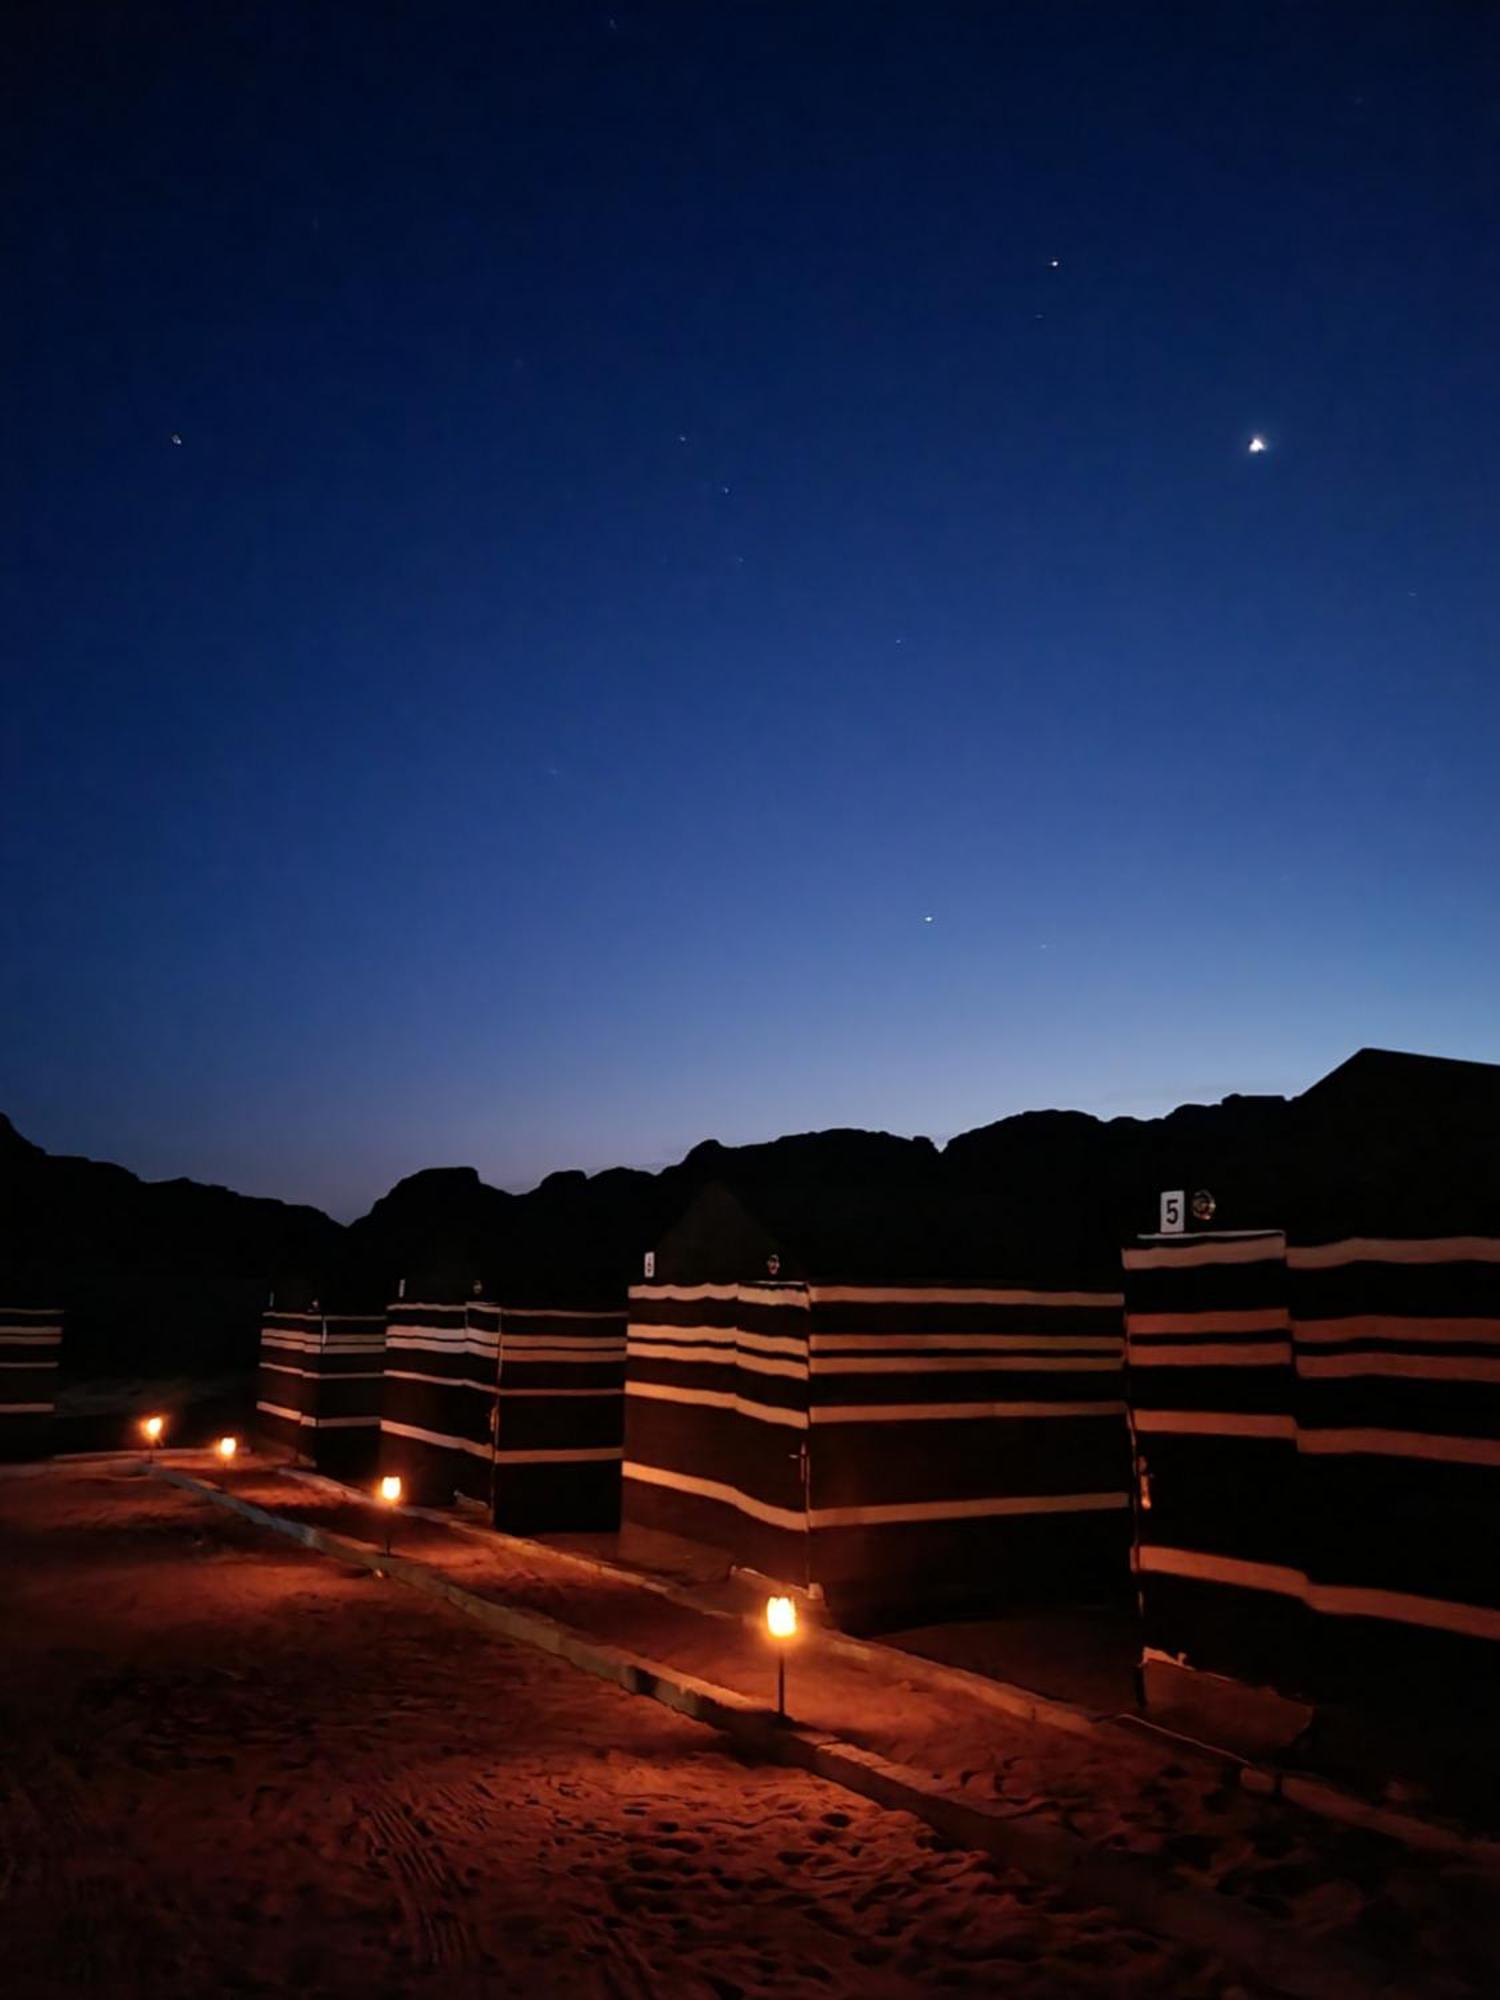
(1272, 1952)
(1310, 1793)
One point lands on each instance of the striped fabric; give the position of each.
(967, 1442)
(889, 1444)
(1212, 1407)
(716, 1419)
(560, 1424)
(1324, 1495)
(286, 1383)
(430, 1422)
(1398, 1409)
(517, 1407)
(349, 1392)
(30, 1345)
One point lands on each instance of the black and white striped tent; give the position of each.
(518, 1407)
(1397, 1347)
(30, 1346)
(1317, 1429)
(320, 1388)
(286, 1380)
(841, 1400)
(1212, 1392)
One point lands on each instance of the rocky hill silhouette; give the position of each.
(157, 1274)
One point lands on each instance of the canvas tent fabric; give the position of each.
(518, 1408)
(1317, 1429)
(286, 1380)
(428, 1424)
(1397, 1344)
(892, 1444)
(349, 1390)
(560, 1418)
(1212, 1411)
(30, 1347)
(319, 1388)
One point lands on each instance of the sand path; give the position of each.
(229, 1766)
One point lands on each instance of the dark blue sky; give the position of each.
(653, 525)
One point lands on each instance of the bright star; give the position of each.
(1258, 443)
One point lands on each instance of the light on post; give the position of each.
(390, 1494)
(781, 1623)
(151, 1430)
(226, 1448)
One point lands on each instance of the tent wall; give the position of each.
(1398, 1415)
(966, 1441)
(559, 1436)
(474, 1441)
(286, 1382)
(349, 1390)
(427, 1412)
(519, 1408)
(30, 1344)
(716, 1419)
(1212, 1404)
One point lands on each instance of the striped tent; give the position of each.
(1398, 1433)
(517, 1407)
(286, 1383)
(892, 1444)
(349, 1393)
(30, 1345)
(1212, 1410)
(560, 1417)
(435, 1393)
(319, 1388)
(1317, 1435)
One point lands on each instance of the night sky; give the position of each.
(578, 578)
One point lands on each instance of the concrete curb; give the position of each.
(1271, 1952)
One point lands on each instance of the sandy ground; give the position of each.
(230, 1766)
(1332, 1881)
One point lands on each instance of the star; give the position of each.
(927, 920)
(1053, 263)
(177, 437)
(1257, 443)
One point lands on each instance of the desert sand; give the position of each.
(231, 1766)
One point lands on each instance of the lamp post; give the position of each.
(781, 1623)
(151, 1429)
(390, 1494)
(226, 1449)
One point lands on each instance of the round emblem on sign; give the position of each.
(1203, 1206)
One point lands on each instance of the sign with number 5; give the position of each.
(1174, 1212)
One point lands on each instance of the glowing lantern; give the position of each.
(390, 1493)
(153, 1428)
(781, 1623)
(227, 1447)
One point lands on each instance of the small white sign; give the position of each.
(650, 1263)
(1174, 1212)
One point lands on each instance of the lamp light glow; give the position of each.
(227, 1447)
(389, 1491)
(153, 1428)
(781, 1617)
(781, 1623)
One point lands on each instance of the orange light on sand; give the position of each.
(227, 1447)
(389, 1490)
(153, 1427)
(781, 1623)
